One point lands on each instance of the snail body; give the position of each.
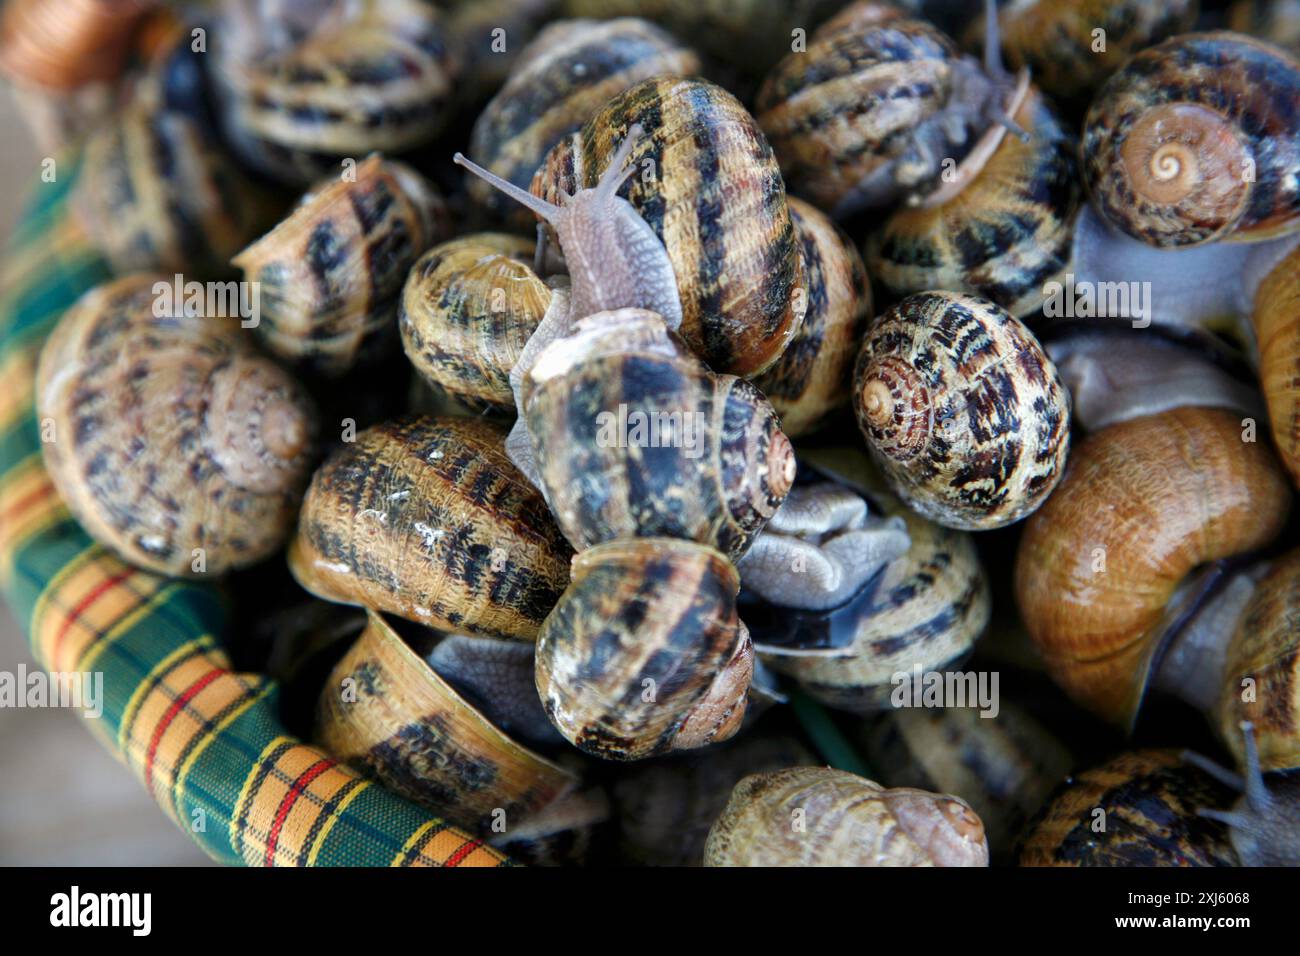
(427, 519)
(847, 821)
(331, 272)
(962, 410)
(177, 446)
(1194, 141)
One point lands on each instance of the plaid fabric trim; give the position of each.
(207, 742)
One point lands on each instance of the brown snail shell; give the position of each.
(644, 653)
(962, 410)
(563, 77)
(1195, 140)
(846, 821)
(1147, 802)
(468, 308)
(330, 273)
(62, 44)
(175, 444)
(1277, 21)
(652, 444)
(1149, 523)
(813, 375)
(1001, 230)
(427, 519)
(1277, 332)
(492, 36)
(709, 188)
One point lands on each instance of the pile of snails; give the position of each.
(640, 423)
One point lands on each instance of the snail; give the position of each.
(816, 816)
(330, 273)
(1139, 809)
(867, 115)
(1194, 141)
(1005, 767)
(173, 442)
(962, 410)
(1277, 21)
(644, 653)
(1072, 46)
(492, 35)
(564, 76)
(1276, 321)
(427, 519)
(397, 719)
(467, 311)
(714, 235)
(1103, 575)
(811, 378)
(306, 84)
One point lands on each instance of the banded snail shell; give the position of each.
(812, 377)
(1195, 140)
(563, 77)
(710, 190)
(848, 821)
(427, 519)
(1277, 331)
(635, 437)
(644, 653)
(468, 308)
(176, 445)
(330, 273)
(962, 410)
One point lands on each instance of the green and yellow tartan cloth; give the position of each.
(206, 741)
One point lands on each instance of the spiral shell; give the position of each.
(710, 190)
(1005, 234)
(427, 519)
(67, 43)
(563, 77)
(1277, 333)
(639, 439)
(1196, 140)
(1139, 809)
(330, 274)
(644, 653)
(962, 410)
(1143, 502)
(336, 79)
(174, 444)
(812, 376)
(847, 821)
(468, 308)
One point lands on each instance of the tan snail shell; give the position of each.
(816, 816)
(1139, 809)
(563, 77)
(644, 653)
(468, 308)
(1277, 333)
(962, 410)
(1196, 140)
(1100, 561)
(174, 443)
(62, 44)
(645, 441)
(427, 519)
(707, 185)
(330, 273)
(813, 375)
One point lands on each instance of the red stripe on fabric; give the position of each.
(175, 708)
(82, 606)
(466, 849)
(302, 783)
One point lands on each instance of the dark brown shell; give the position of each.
(710, 189)
(813, 375)
(174, 443)
(634, 437)
(427, 519)
(331, 273)
(563, 77)
(644, 653)
(1197, 140)
(1277, 21)
(468, 309)
(962, 410)
(1148, 800)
